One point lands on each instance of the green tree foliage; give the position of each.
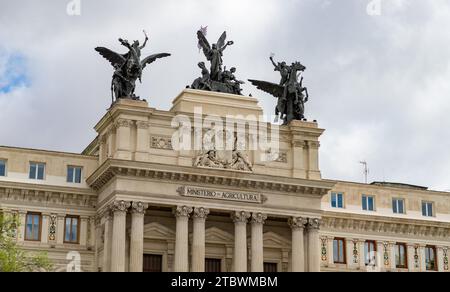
(12, 257)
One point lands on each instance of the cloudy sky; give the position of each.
(379, 81)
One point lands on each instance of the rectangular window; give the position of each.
(427, 209)
(430, 258)
(337, 200)
(37, 171)
(213, 265)
(398, 206)
(33, 227)
(152, 263)
(339, 251)
(370, 253)
(71, 230)
(401, 256)
(74, 174)
(368, 203)
(2, 168)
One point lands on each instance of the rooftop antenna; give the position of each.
(366, 170)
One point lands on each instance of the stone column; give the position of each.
(142, 141)
(330, 249)
(91, 233)
(181, 240)
(423, 264)
(123, 139)
(119, 209)
(257, 263)
(83, 230)
(137, 236)
(44, 230)
(313, 245)
(107, 242)
(240, 240)
(392, 248)
(60, 228)
(298, 248)
(22, 223)
(313, 152)
(198, 240)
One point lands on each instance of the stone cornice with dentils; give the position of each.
(175, 173)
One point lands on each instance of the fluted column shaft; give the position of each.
(119, 210)
(314, 245)
(107, 236)
(198, 241)
(137, 236)
(257, 221)
(240, 240)
(181, 240)
(298, 247)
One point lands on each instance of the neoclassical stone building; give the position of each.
(134, 201)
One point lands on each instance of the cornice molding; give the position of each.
(386, 225)
(184, 174)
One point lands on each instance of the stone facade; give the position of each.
(140, 196)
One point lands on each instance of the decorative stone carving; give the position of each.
(120, 206)
(234, 160)
(386, 253)
(123, 123)
(52, 228)
(201, 213)
(240, 216)
(323, 249)
(416, 257)
(182, 211)
(142, 125)
(161, 143)
(297, 222)
(314, 223)
(258, 218)
(280, 157)
(138, 207)
(355, 251)
(445, 252)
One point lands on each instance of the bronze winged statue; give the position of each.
(216, 79)
(128, 67)
(290, 92)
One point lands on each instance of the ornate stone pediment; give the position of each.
(216, 235)
(157, 231)
(274, 240)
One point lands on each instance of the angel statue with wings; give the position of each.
(128, 67)
(214, 53)
(290, 92)
(216, 81)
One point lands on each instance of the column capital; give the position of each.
(297, 222)
(201, 213)
(120, 206)
(314, 223)
(123, 123)
(142, 125)
(240, 216)
(182, 211)
(258, 218)
(138, 208)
